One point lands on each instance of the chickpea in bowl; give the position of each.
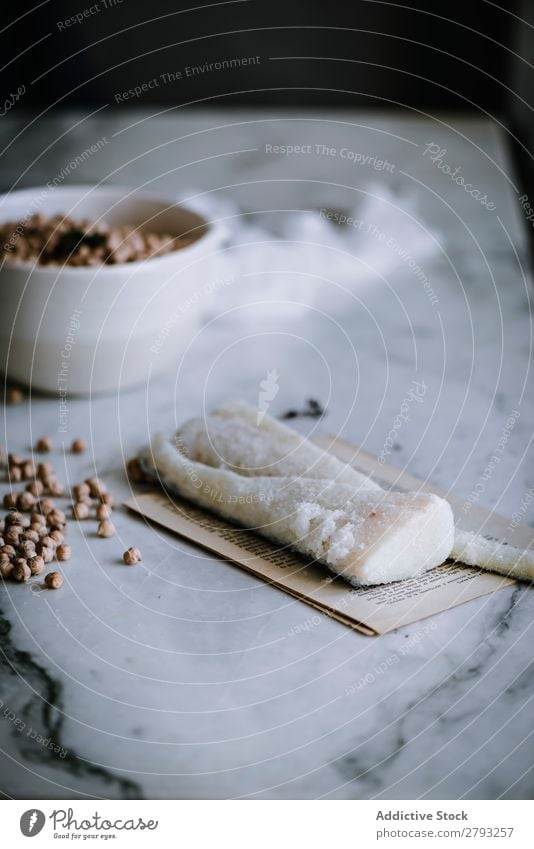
(89, 277)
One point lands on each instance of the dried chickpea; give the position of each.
(44, 445)
(57, 536)
(80, 510)
(36, 564)
(8, 550)
(14, 459)
(63, 552)
(30, 534)
(96, 487)
(27, 549)
(36, 488)
(44, 470)
(6, 567)
(54, 487)
(26, 501)
(14, 517)
(105, 529)
(81, 491)
(10, 499)
(11, 534)
(56, 517)
(46, 505)
(78, 446)
(21, 570)
(47, 542)
(131, 556)
(107, 498)
(37, 519)
(28, 470)
(15, 474)
(47, 553)
(103, 512)
(54, 580)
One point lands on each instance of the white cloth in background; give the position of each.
(306, 257)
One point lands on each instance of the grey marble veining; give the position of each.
(186, 677)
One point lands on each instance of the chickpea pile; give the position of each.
(32, 533)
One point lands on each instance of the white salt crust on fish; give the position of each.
(229, 437)
(368, 537)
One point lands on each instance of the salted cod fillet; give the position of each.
(367, 536)
(230, 437)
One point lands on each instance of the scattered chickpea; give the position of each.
(56, 517)
(63, 552)
(47, 542)
(36, 564)
(10, 500)
(21, 571)
(36, 488)
(54, 487)
(78, 446)
(103, 512)
(8, 550)
(80, 510)
(28, 470)
(81, 491)
(6, 567)
(26, 501)
(13, 518)
(44, 445)
(15, 474)
(46, 505)
(96, 487)
(27, 548)
(11, 535)
(14, 459)
(105, 529)
(14, 395)
(54, 580)
(46, 553)
(37, 519)
(107, 498)
(31, 535)
(57, 536)
(132, 556)
(44, 470)
(40, 530)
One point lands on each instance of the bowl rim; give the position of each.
(212, 230)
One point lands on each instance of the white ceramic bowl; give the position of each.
(79, 330)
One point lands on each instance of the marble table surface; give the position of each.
(186, 677)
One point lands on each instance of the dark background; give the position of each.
(425, 56)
